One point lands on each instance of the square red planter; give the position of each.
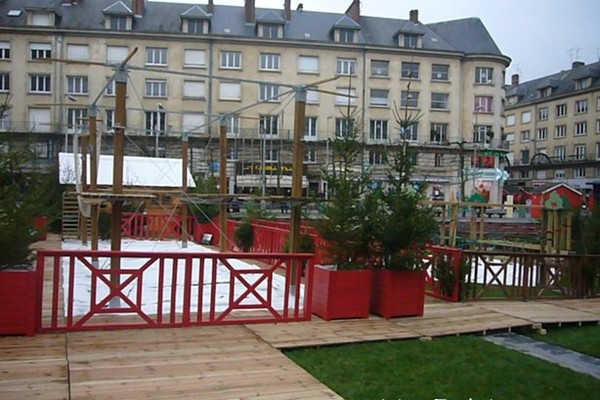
(19, 309)
(398, 293)
(341, 294)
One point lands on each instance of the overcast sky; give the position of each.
(540, 36)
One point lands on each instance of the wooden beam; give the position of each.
(223, 185)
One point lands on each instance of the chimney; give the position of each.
(139, 7)
(287, 9)
(514, 80)
(300, 7)
(250, 11)
(211, 6)
(578, 64)
(414, 16)
(354, 11)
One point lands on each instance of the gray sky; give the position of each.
(540, 36)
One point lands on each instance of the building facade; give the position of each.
(197, 63)
(553, 128)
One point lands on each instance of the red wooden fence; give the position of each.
(166, 289)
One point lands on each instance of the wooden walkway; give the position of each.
(237, 362)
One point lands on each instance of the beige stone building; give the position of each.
(195, 63)
(553, 128)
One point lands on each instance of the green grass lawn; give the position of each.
(460, 368)
(585, 339)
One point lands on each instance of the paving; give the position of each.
(566, 358)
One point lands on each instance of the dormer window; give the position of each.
(118, 22)
(270, 31)
(545, 92)
(195, 20)
(583, 83)
(345, 30)
(511, 101)
(118, 17)
(411, 40)
(346, 35)
(40, 18)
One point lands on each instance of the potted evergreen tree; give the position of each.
(342, 288)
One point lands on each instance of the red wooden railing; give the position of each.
(167, 289)
(442, 272)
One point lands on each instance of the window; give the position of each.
(195, 25)
(40, 50)
(379, 97)
(40, 18)
(580, 151)
(526, 117)
(378, 130)
(561, 110)
(310, 128)
(480, 133)
(156, 56)
(118, 22)
(438, 160)
(4, 50)
(193, 89)
(39, 120)
(231, 59)
(269, 62)
(484, 104)
(510, 120)
(230, 91)
(39, 83)
(560, 131)
(346, 96)
(233, 125)
(194, 58)
(344, 127)
(78, 52)
(270, 31)
(272, 155)
(597, 151)
(440, 72)
(42, 149)
(4, 82)
(484, 75)
(439, 133)
(346, 35)
(156, 123)
(543, 114)
(560, 153)
(581, 107)
(116, 54)
(411, 132)
(193, 122)
(580, 128)
(525, 157)
(232, 154)
(439, 101)
(410, 70)
(109, 122)
(525, 137)
(376, 158)
(380, 68)
(77, 84)
(312, 97)
(559, 174)
(598, 104)
(524, 175)
(598, 126)
(156, 87)
(579, 173)
(76, 119)
(308, 64)
(269, 92)
(346, 66)
(409, 99)
(542, 134)
(268, 125)
(111, 88)
(583, 83)
(410, 40)
(545, 92)
(4, 124)
(310, 156)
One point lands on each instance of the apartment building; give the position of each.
(553, 128)
(196, 63)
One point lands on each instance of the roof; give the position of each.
(551, 187)
(562, 83)
(146, 172)
(468, 36)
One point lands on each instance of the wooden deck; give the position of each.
(237, 362)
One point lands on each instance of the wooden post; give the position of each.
(223, 185)
(298, 161)
(84, 220)
(93, 143)
(184, 203)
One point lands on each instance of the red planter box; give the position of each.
(341, 294)
(19, 291)
(398, 293)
